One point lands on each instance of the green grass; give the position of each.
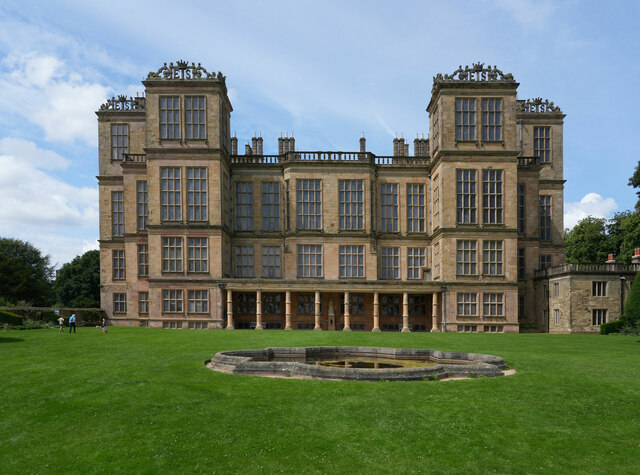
(140, 400)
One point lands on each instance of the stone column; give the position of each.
(434, 312)
(229, 309)
(376, 313)
(259, 310)
(287, 311)
(405, 312)
(347, 326)
(317, 311)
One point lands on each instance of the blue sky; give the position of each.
(326, 71)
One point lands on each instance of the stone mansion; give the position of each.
(451, 237)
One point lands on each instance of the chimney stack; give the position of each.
(280, 145)
(396, 143)
(401, 147)
(406, 150)
(417, 147)
(234, 144)
(292, 143)
(363, 144)
(247, 149)
(254, 144)
(636, 256)
(260, 151)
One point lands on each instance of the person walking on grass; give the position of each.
(61, 323)
(104, 325)
(72, 323)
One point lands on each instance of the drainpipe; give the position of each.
(444, 308)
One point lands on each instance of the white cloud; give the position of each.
(592, 204)
(40, 89)
(30, 153)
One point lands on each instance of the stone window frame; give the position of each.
(521, 263)
(415, 208)
(200, 122)
(309, 203)
(417, 305)
(390, 263)
(436, 260)
(351, 261)
(467, 304)
(493, 304)
(271, 262)
(544, 261)
(309, 269)
(356, 304)
(117, 213)
(556, 316)
(466, 196)
(119, 140)
(466, 257)
(172, 257)
(436, 202)
(244, 261)
(390, 305)
(389, 207)
(270, 206)
(243, 194)
(491, 119)
(306, 303)
(197, 255)
(172, 301)
(416, 260)
(271, 303)
(522, 210)
(119, 302)
(197, 301)
(545, 217)
(436, 128)
(143, 260)
(556, 289)
(598, 316)
(492, 196)
(465, 119)
(246, 303)
(169, 127)
(542, 143)
(492, 257)
(171, 194)
(197, 200)
(119, 268)
(599, 288)
(142, 205)
(351, 205)
(143, 302)
(172, 325)
(198, 325)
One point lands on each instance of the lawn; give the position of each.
(141, 401)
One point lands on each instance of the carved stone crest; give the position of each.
(124, 103)
(538, 105)
(476, 73)
(182, 70)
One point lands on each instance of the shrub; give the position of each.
(48, 316)
(10, 318)
(632, 305)
(612, 327)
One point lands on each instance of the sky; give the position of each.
(325, 71)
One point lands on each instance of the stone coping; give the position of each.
(281, 362)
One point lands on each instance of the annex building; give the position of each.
(195, 233)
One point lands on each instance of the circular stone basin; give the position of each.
(356, 363)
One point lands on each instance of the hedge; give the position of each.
(612, 327)
(10, 318)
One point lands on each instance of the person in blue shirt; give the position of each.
(72, 323)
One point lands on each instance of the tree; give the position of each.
(634, 181)
(78, 281)
(587, 241)
(25, 274)
(632, 305)
(624, 234)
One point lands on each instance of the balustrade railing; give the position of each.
(527, 161)
(135, 157)
(320, 156)
(586, 268)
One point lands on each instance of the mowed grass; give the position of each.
(141, 401)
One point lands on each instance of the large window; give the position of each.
(466, 196)
(170, 202)
(599, 316)
(244, 206)
(246, 303)
(197, 194)
(492, 257)
(309, 260)
(417, 305)
(465, 119)
(521, 208)
(466, 258)
(143, 302)
(542, 143)
(309, 202)
(197, 255)
(142, 205)
(244, 261)
(271, 261)
(306, 304)
(545, 217)
(198, 301)
(170, 117)
(492, 196)
(194, 120)
(118, 264)
(467, 304)
(271, 206)
(351, 204)
(119, 141)
(171, 254)
(172, 301)
(389, 208)
(599, 289)
(356, 304)
(415, 208)
(143, 260)
(493, 306)
(351, 261)
(117, 213)
(120, 302)
(415, 261)
(390, 305)
(521, 263)
(390, 262)
(545, 261)
(271, 304)
(491, 120)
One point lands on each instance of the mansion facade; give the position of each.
(195, 234)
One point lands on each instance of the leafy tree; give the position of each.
(78, 281)
(624, 234)
(25, 274)
(587, 241)
(632, 305)
(634, 181)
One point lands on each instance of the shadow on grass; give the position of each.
(10, 340)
